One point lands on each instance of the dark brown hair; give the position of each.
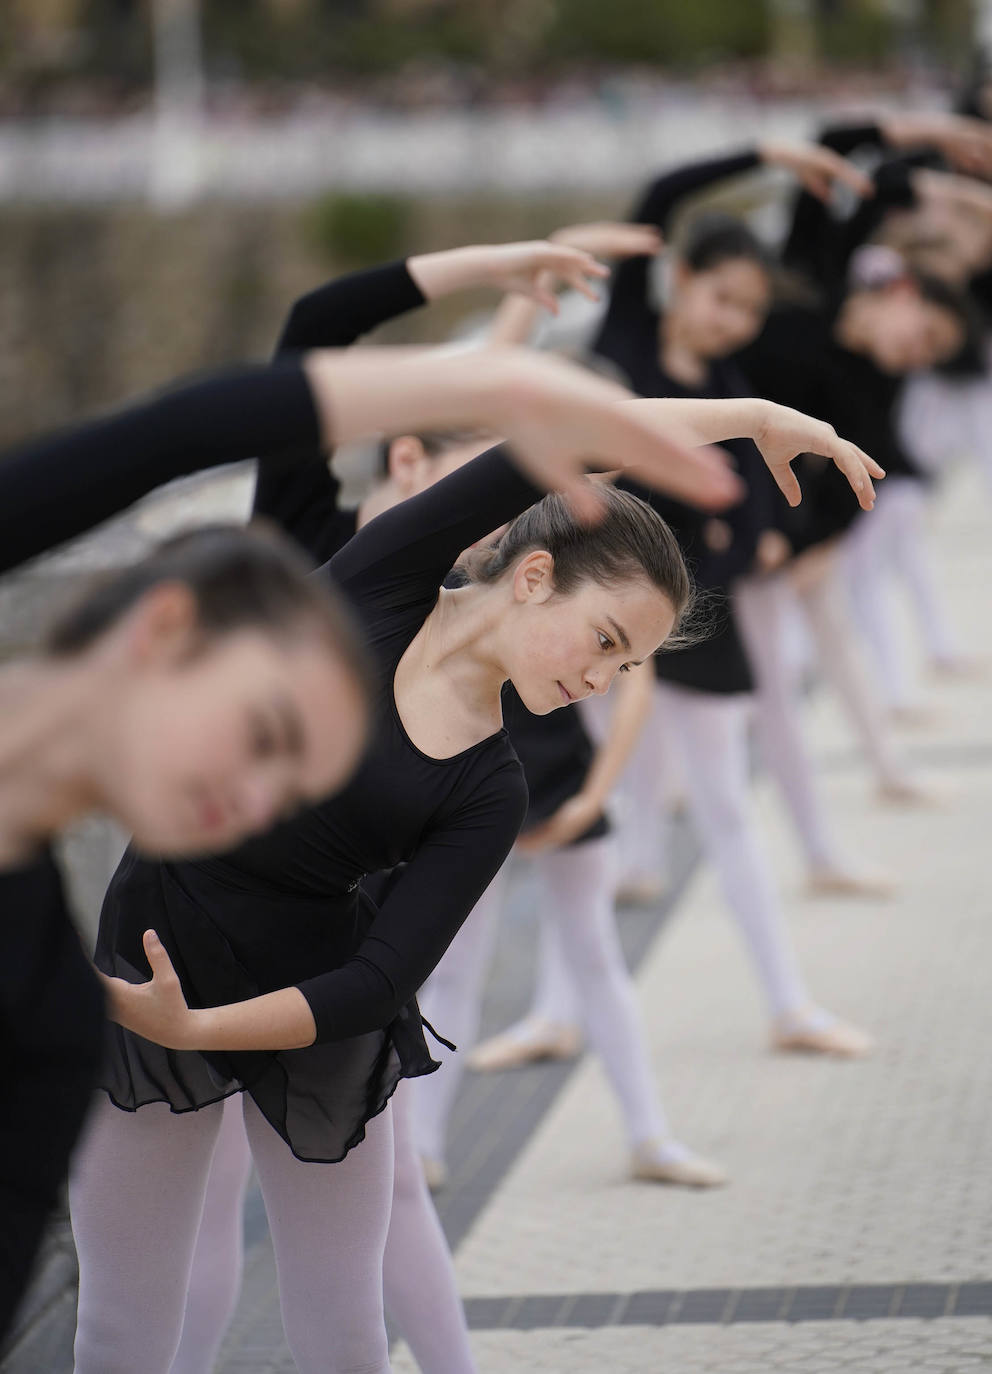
(241, 578)
(630, 541)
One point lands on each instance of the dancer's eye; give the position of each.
(264, 738)
(605, 642)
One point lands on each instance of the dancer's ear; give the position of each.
(406, 454)
(161, 629)
(533, 578)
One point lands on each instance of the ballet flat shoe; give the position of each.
(514, 1050)
(690, 1172)
(837, 1039)
(435, 1173)
(909, 793)
(842, 882)
(915, 716)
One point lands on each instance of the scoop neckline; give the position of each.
(501, 733)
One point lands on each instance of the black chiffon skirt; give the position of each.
(228, 945)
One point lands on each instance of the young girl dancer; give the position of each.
(225, 627)
(719, 292)
(847, 356)
(304, 496)
(822, 245)
(326, 1024)
(567, 831)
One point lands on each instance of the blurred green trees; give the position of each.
(300, 39)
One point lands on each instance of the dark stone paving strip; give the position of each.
(732, 1306)
(496, 1114)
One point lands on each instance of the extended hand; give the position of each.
(560, 419)
(784, 433)
(817, 168)
(965, 142)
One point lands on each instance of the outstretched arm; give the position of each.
(303, 496)
(516, 318)
(556, 416)
(779, 432)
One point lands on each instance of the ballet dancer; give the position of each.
(318, 1057)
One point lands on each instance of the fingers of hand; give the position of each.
(787, 483)
(849, 460)
(570, 261)
(584, 499)
(875, 469)
(158, 958)
(581, 284)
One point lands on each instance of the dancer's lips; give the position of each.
(212, 816)
(566, 695)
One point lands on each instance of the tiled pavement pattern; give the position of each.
(875, 1347)
(857, 1232)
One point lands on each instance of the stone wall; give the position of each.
(97, 304)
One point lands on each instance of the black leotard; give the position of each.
(285, 909)
(630, 338)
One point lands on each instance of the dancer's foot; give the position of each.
(914, 716)
(813, 1031)
(908, 792)
(435, 1173)
(528, 1042)
(666, 1161)
(643, 889)
(846, 882)
(959, 667)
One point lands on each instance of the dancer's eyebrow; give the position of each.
(621, 634)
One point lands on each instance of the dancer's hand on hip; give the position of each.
(572, 819)
(156, 1010)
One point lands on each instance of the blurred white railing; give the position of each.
(590, 146)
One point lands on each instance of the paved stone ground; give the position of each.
(857, 1232)
(843, 1173)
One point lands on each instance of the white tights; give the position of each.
(418, 1278)
(892, 541)
(842, 664)
(763, 607)
(137, 1196)
(218, 1260)
(643, 795)
(575, 903)
(710, 733)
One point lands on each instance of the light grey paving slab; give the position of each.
(878, 1347)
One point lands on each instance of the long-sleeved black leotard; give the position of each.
(302, 495)
(630, 337)
(58, 487)
(286, 910)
